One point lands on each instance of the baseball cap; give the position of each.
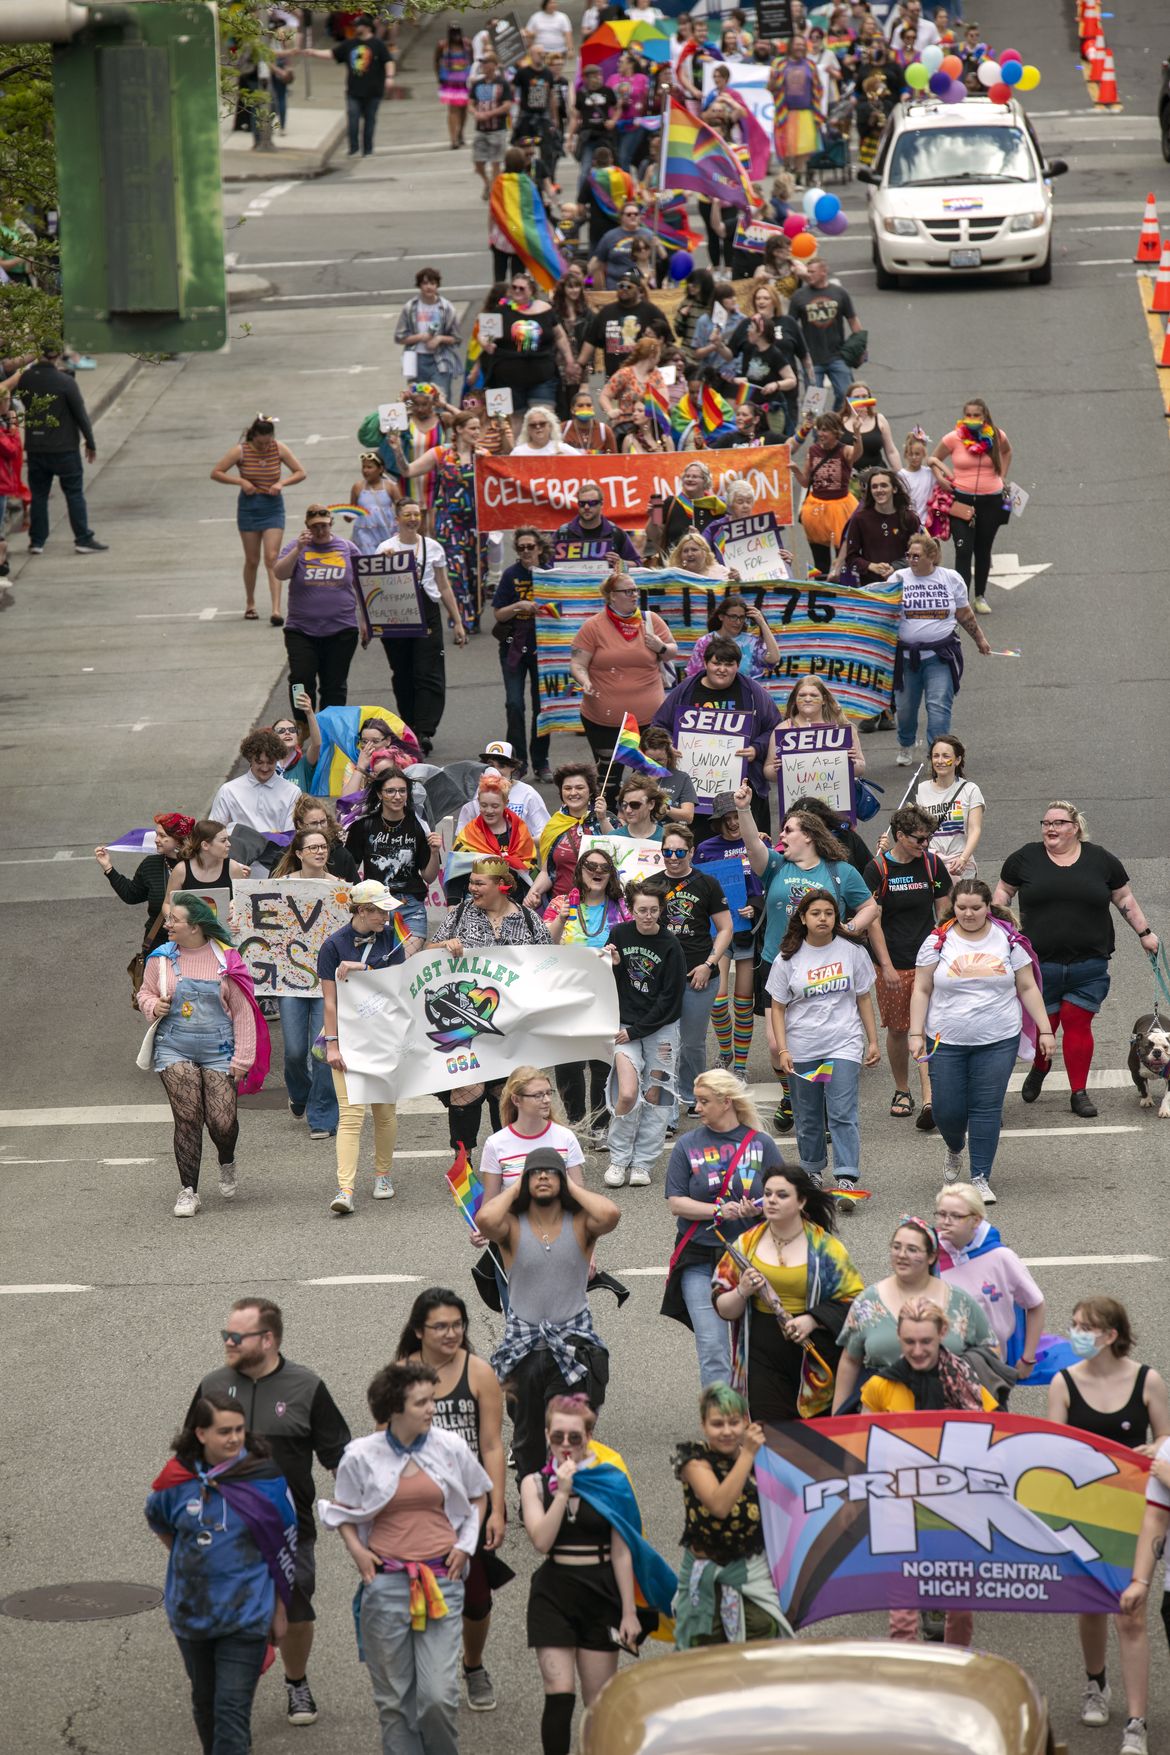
(497, 751)
(372, 894)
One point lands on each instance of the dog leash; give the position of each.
(1161, 967)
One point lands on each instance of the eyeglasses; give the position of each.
(596, 870)
(675, 852)
(1058, 823)
(444, 1328)
(542, 423)
(537, 1096)
(905, 1249)
(233, 1336)
(624, 591)
(572, 1438)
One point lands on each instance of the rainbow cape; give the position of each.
(695, 157)
(611, 188)
(465, 1186)
(629, 752)
(518, 211)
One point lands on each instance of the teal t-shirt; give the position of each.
(785, 884)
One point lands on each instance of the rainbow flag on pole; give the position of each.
(629, 752)
(519, 212)
(695, 157)
(465, 1186)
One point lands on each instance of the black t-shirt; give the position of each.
(617, 327)
(651, 979)
(534, 86)
(905, 894)
(1065, 909)
(366, 64)
(690, 904)
(491, 93)
(524, 352)
(822, 312)
(395, 853)
(595, 109)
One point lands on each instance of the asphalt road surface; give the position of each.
(128, 680)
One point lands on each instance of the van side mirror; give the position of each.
(1054, 168)
(863, 174)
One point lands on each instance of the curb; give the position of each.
(113, 387)
(265, 167)
(246, 289)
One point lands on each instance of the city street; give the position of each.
(129, 679)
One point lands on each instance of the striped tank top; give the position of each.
(262, 468)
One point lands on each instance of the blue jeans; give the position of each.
(692, 1051)
(517, 680)
(65, 466)
(308, 1081)
(712, 1334)
(836, 373)
(415, 1676)
(838, 1102)
(967, 1089)
(628, 143)
(224, 1674)
(636, 1139)
(932, 679)
(413, 915)
(362, 113)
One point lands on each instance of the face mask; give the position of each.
(1085, 1342)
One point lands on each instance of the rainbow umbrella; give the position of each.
(603, 47)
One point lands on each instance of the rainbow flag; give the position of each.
(820, 1075)
(695, 157)
(930, 1051)
(670, 225)
(713, 415)
(629, 752)
(611, 188)
(473, 372)
(518, 211)
(657, 407)
(465, 1186)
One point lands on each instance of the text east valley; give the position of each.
(485, 967)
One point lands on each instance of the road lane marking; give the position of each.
(364, 1280)
(1044, 1133)
(1090, 1260)
(90, 1115)
(12, 1291)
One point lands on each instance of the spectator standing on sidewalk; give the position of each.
(55, 423)
(14, 494)
(370, 68)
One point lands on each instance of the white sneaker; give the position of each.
(227, 1180)
(982, 607)
(1136, 1738)
(904, 758)
(639, 1178)
(342, 1202)
(985, 1189)
(383, 1188)
(1095, 1703)
(188, 1204)
(953, 1166)
(615, 1176)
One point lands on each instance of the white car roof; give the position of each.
(973, 112)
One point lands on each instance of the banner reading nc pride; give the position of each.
(437, 1021)
(846, 638)
(947, 1511)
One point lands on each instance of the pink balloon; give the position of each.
(795, 223)
(1009, 55)
(955, 93)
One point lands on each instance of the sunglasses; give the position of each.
(588, 505)
(572, 1438)
(675, 852)
(234, 1336)
(596, 870)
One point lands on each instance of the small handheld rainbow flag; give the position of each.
(465, 1186)
(628, 751)
(820, 1075)
(840, 1193)
(519, 212)
(550, 609)
(1007, 652)
(657, 407)
(930, 1051)
(345, 510)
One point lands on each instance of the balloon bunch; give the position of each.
(820, 209)
(1006, 74)
(940, 73)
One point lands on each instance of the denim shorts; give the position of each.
(260, 512)
(1084, 984)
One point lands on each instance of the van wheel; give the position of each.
(886, 281)
(1042, 276)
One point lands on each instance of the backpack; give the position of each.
(931, 860)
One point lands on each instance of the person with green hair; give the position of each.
(208, 1039)
(725, 1589)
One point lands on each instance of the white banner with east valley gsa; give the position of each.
(438, 1021)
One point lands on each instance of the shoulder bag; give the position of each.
(145, 1058)
(672, 1298)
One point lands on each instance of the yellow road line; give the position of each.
(1155, 323)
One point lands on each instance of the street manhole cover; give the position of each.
(95, 1600)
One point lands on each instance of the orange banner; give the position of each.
(510, 491)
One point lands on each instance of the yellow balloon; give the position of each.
(1029, 79)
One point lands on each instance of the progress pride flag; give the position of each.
(510, 491)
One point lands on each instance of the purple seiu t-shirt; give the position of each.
(321, 591)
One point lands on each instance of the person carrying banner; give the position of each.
(514, 626)
(734, 618)
(785, 1287)
(547, 1230)
(726, 1594)
(585, 915)
(1111, 1395)
(616, 660)
(222, 1509)
(650, 972)
(307, 1078)
(590, 525)
(812, 702)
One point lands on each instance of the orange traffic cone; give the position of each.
(1149, 245)
(1107, 86)
(1165, 359)
(1090, 24)
(1161, 302)
(1096, 69)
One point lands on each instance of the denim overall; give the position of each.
(196, 1028)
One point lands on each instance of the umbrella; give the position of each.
(611, 40)
(447, 789)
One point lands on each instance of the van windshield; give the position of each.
(961, 155)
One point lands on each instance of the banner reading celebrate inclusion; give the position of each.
(846, 638)
(947, 1511)
(510, 491)
(438, 1020)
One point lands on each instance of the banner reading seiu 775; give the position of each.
(846, 638)
(438, 1020)
(947, 1510)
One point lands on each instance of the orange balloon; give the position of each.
(952, 65)
(804, 245)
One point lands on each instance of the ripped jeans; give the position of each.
(637, 1139)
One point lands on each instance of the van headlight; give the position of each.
(901, 228)
(1026, 222)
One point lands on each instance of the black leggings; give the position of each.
(571, 1080)
(463, 1119)
(320, 661)
(200, 1097)
(974, 538)
(719, 250)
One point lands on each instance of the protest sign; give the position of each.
(510, 491)
(436, 894)
(755, 235)
(708, 741)
(489, 325)
(439, 1020)
(845, 637)
(814, 763)
(947, 1510)
(392, 417)
(774, 17)
(280, 925)
(392, 594)
(751, 546)
(498, 402)
(730, 876)
(634, 859)
(507, 39)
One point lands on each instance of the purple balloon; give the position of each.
(940, 83)
(955, 93)
(833, 228)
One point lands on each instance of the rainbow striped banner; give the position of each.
(947, 1511)
(846, 638)
(519, 212)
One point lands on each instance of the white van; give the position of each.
(960, 189)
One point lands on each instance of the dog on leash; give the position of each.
(1149, 1053)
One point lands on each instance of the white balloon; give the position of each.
(811, 197)
(989, 73)
(932, 58)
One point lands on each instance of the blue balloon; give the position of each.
(940, 82)
(681, 265)
(1011, 72)
(827, 208)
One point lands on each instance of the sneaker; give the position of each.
(227, 1181)
(639, 1177)
(845, 1207)
(7, 597)
(188, 1204)
(1095, 1703)
(726, 1062)
(35, 549)
(1135, 1740)
(615, 1176)
(904, 757)
(302, 1708)
(320, 1133)
(953, 1166)
(294, 1110)
(883, 721)
(982, 607)
(983, 1187)
(481, 1696)
(782, 1120)
(92, 547)
(1082, 1104)
(1034, 1083)
(342, 1202)
(383, 1188)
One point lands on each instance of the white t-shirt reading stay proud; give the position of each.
(819, 987)
(974, 999)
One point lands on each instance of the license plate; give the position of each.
(966, 258)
